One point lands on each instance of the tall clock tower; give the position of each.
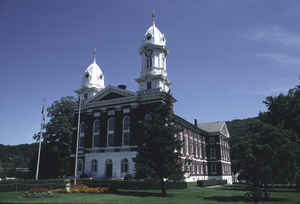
(153, 51)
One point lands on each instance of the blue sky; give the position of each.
(225, 56)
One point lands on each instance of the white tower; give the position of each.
(154, 52)
(92, 81)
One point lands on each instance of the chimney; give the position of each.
(122, 86)
(196, 122)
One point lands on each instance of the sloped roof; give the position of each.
(212, 126)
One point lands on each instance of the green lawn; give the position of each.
(190, 195)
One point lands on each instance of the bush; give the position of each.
(128, 177)
(211, 182)
(26, 185)
(131, 184)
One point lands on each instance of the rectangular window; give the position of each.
(111, 131)
(149, 85)
(213, 168)
(213, 152)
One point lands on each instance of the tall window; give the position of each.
(111, 132)
(212, 152)
(124, 166)
(94, 165)
(126, 130)
(96, 133)
(149, 85)
(80, 165)
(213, 168)
(186, 144)
(149, 61)
(81, 135)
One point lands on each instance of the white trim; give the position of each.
(125, 130)
(110, 131)
(95, 133)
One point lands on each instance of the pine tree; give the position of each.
(158, 148)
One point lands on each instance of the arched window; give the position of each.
(108, 168)
(124, 166)
(81, 134)
(96, 133)
(126, 130)
(94, 165)
(110, 131)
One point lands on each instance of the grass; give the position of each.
(191, 195)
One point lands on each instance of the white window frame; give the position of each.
(124, 131)
(124, 162)
(95, 134)
(94, 166)
(81, 133)
(110, 132)
(80, 165)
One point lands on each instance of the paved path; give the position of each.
(216, 186)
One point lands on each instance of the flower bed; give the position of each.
(83, 190)
(38, 193)
(39, 190)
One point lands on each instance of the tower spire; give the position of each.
(94, 53)
(153, 17)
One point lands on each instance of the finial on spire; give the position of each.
(94, 53)
(153, 17)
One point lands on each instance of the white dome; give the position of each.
(154, 36)
(93, 77)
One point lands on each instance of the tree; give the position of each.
(237, 129)
(158, 148)
(266, 151)
(284, 112)
(57, 139)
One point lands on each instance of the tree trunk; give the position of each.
(163, 187)
(298, 182)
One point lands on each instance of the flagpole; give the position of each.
(77, 141)
(40, 144)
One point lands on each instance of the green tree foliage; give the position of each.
(268, 146)
(265, 150)
(158, 148)
(15, 156)
(57, 139)
(284, 112)
(237, 130)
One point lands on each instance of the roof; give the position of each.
(212, 126)
(154, 36)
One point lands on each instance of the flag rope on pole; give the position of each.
(40, 144)
(77, 141)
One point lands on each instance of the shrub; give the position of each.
(128, 177)
(211, 182)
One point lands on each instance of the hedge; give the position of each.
(25, 185)
(119, 184)
(211, 182)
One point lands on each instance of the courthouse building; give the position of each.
(107, 141)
